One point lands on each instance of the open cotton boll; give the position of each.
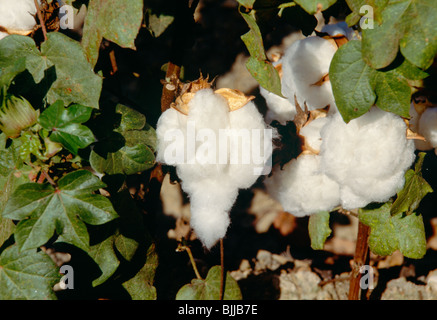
(198, 143)
(17, 15)
(301, 188)
(367, 157)
(428, 126)
(305, 63)
(311, 133)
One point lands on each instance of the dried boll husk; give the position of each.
(235, 99)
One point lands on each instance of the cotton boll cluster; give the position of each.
(367, 157)
(17, 16)
(210, 165)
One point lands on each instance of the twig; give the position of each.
(222, 270)
(41, 20)
(183, 247)
(360, 259)
(170, 85)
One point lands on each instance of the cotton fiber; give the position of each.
(301, 188)
(367, 157)
(212, 180)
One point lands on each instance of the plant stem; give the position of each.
(193, 263)
(41, 20)
(222, 270)
(360, 259)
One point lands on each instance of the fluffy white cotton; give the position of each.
(311, 133)
(17, 15)
(304, 65)
(301, 188)
(279, 108)
(367, 157)
(210, 167)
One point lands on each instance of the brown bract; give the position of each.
(235, 98)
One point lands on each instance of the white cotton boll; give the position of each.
(18, 15)
(311, 133)
(367, 157)
(212, 183)
(428, 126)
(301, 188)
(304, 64)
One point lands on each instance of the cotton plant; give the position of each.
(212, 163)
(348, 165)
(17, 17)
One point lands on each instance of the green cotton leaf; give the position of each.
(319, 230)
(140, 287)
(312, 6)
(11, 70)
(393, 93)
(14, 48)
(158, 24)
(43, 210)
(414, 190)
(209, 289)
(104, 255)
(408, 25)
(266, 75)
(27, 275)
(253, 38)
(388, 233)
(351, 80)
(75, 81)
(357, 87)
(261, 69)
(136, 141)
(114, 20)
(66, 127)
